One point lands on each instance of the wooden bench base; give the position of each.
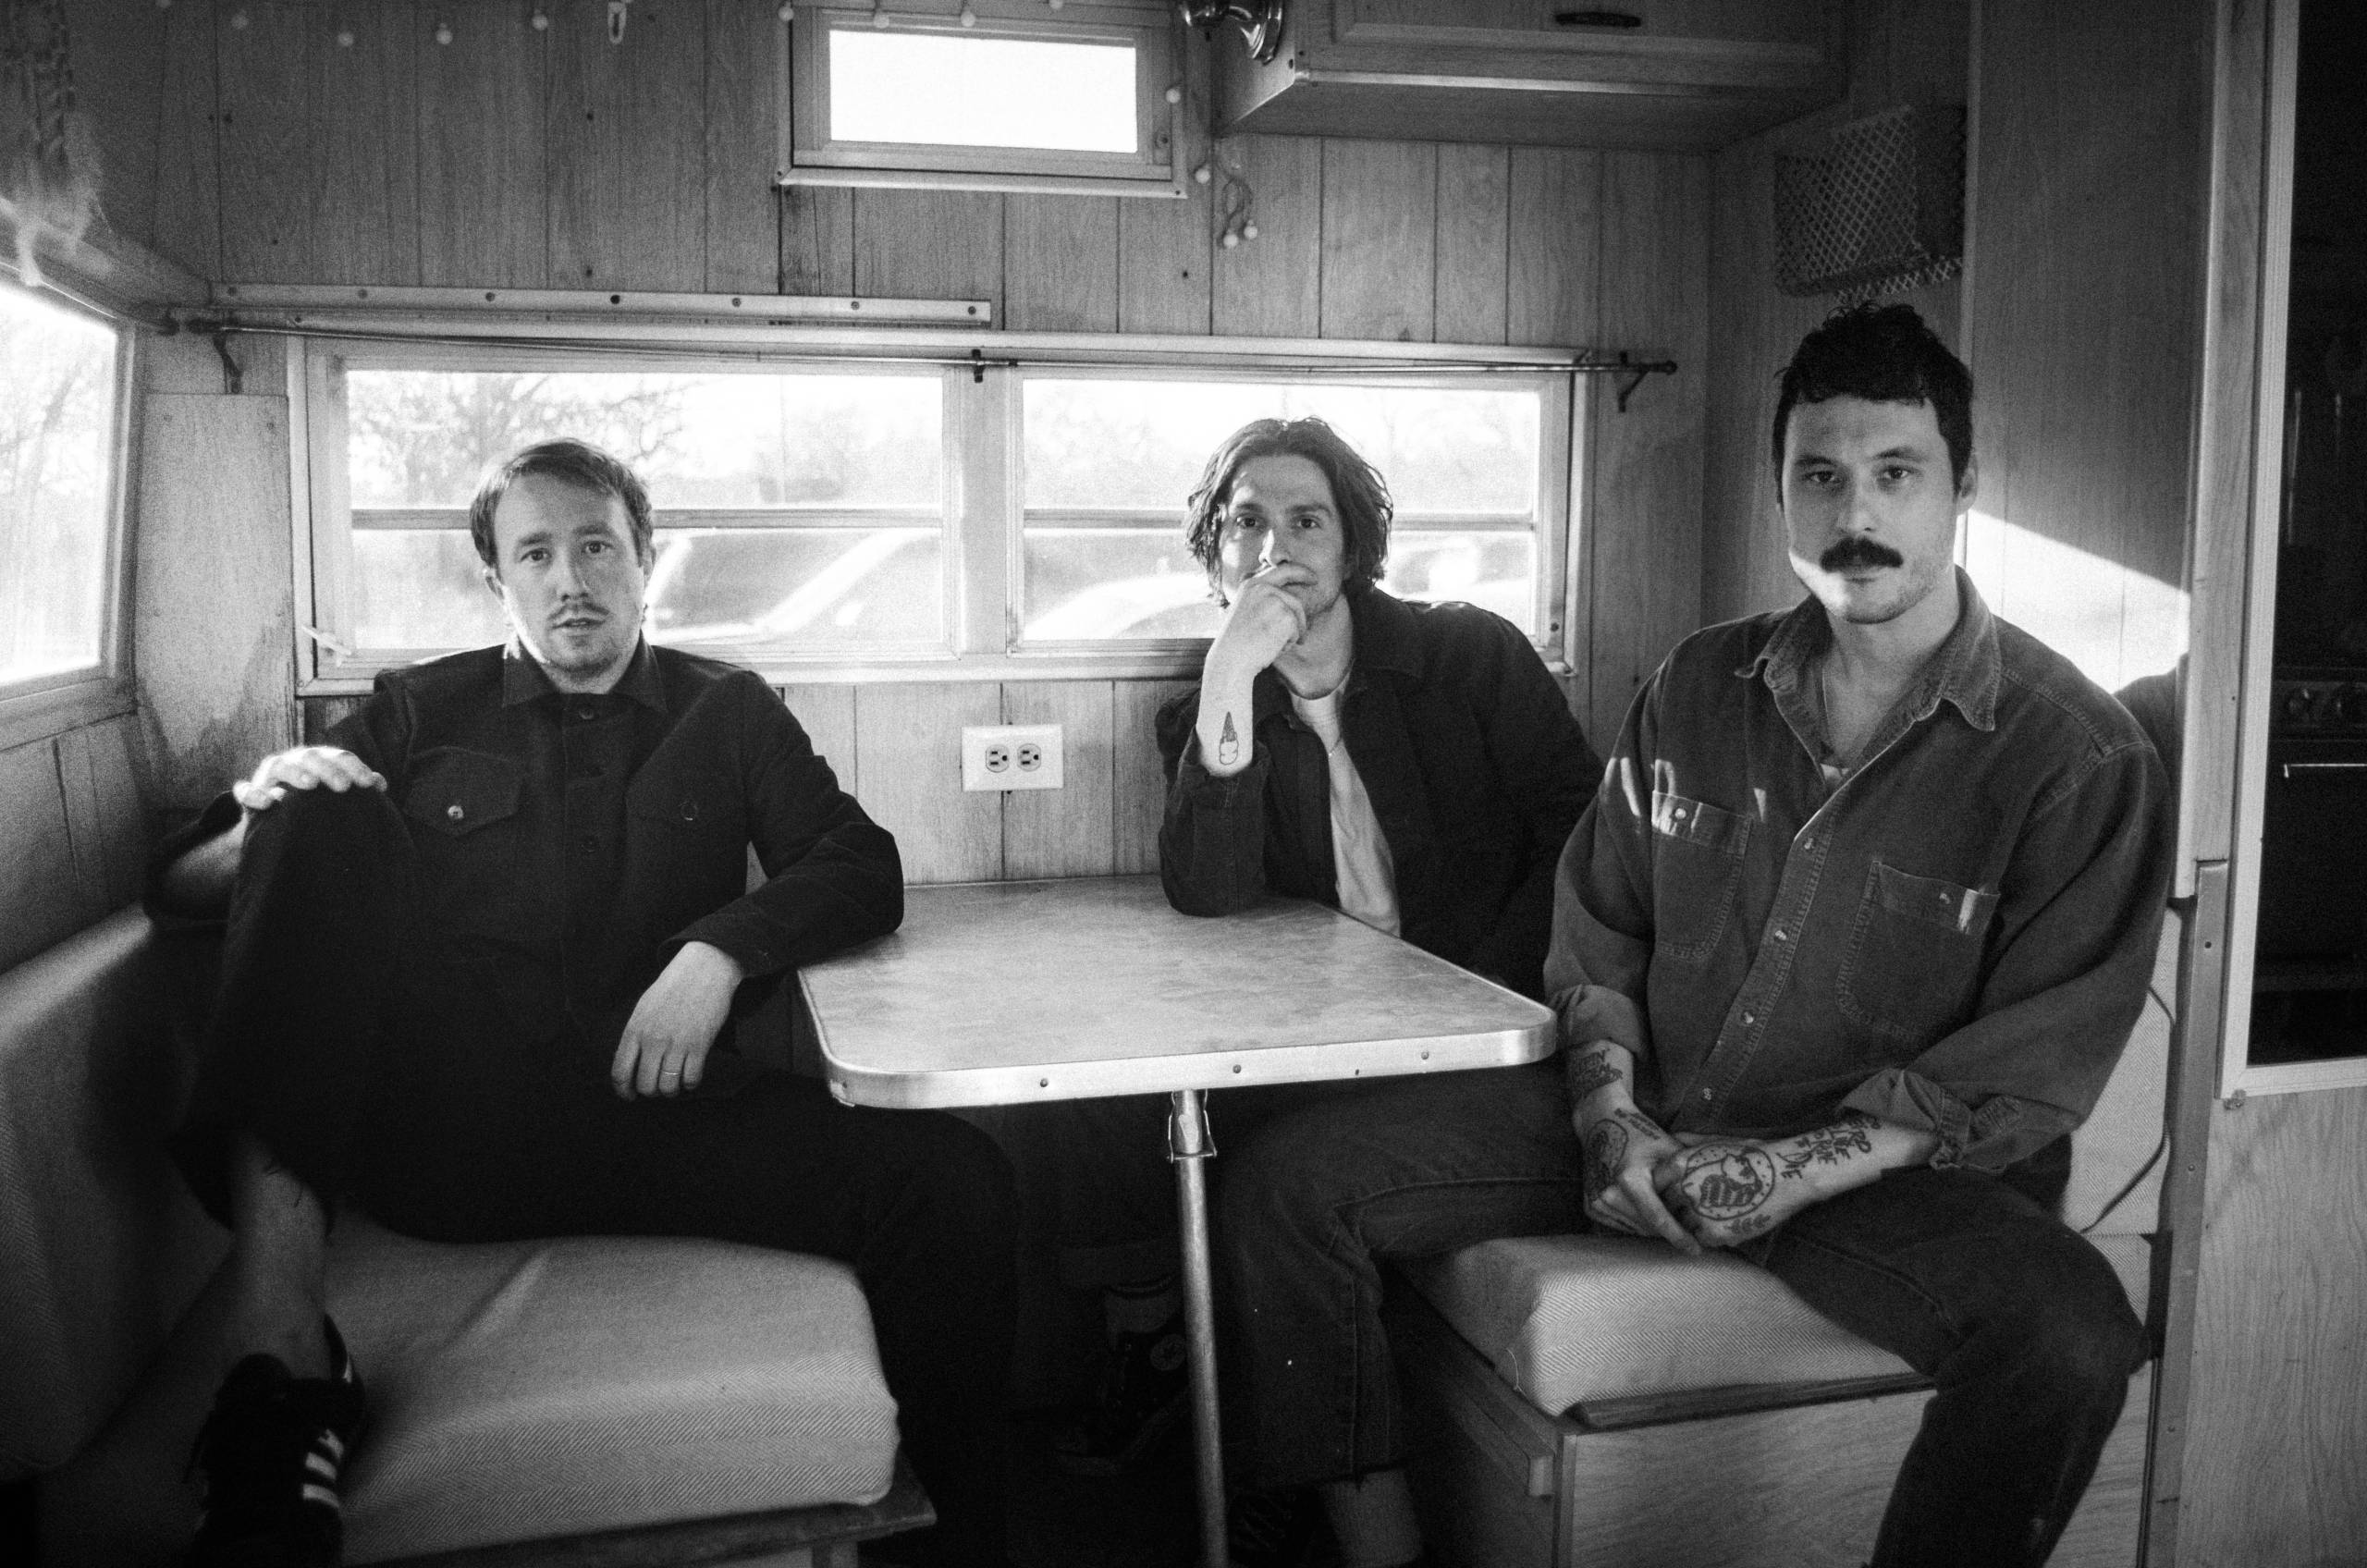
(1501, 1484)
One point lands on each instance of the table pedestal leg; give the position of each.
(1189, 1147)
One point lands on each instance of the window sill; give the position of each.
(46, 711)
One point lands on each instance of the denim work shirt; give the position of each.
(1954, 937)
(1475, 770)
(568, 843)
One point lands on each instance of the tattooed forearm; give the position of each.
(1590, 1070)
(1228, 744)
(1726, 1182)
(1606, 1151)
(1845, 1139)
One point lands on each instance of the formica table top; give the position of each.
(997, 993)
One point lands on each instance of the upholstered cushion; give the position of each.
(1571, 1319)
(535, 1389)
(100, 1248)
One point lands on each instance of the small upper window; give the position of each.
(1013, 98)
(57, 491)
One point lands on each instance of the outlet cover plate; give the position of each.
(1011, 757)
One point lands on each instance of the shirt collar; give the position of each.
(523, 677)
(1964, 669)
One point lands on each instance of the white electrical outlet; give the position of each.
(1011, 757)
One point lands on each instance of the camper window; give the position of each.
(61, 443)
(930, 518)
(1004, 94)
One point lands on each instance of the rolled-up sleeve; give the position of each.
(2079, 920)
(1600, 955)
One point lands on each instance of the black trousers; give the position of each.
(371, 1073)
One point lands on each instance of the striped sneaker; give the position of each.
(270, 1455)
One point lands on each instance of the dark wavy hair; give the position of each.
(1358, 492)
(1884, 354)
(575, 463)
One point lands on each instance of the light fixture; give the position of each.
(1259, 21)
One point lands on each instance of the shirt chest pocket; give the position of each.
(1696, 871)
(463, 807)
(1912, 968)
(687, 814)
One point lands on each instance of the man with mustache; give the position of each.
(484, 954)
(1850, 940)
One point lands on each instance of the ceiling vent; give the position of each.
(1874, 206)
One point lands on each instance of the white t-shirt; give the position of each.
(1360, 857)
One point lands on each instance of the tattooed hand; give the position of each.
(1622, 1149)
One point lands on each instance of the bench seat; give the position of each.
(583, 1400)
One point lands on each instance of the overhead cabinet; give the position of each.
(1691, 75)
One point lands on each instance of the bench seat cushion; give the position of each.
(1568, 1321)
(525, 1389)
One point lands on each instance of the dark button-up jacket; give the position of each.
(1475, 770)
(568, 844)
(1957, 938)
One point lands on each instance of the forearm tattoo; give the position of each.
(1590, 1072)
(1606, 1152)
(1727, 1182)
(1228, 744)
(1845, 1140)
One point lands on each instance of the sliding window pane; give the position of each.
(57, 427)
(1495, 570)
(946, 90)
(1088, 585)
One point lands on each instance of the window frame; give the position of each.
(42, 707)
(808, 155)
(982, 481)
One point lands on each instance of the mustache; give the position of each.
(1858, 552)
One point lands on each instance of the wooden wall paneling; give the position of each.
(2277, 1423)
(318, 715)
(183, 362)
(484, 152)
(817, 239)
(929, 245)
(1907, 52)
(2093, 138)
(908, 741)
(1647, 483)
(1271, 287)
(1164, 247)
(185, 222)
(41, 898)
(1140, 793)
(826, 714)
(744, 231)
(117, 52)
(213, 617)
(1379, 244)
(1067, 831)
(364, 140)
(267, 198)
(1474, 190)
(628, 176)
(1163, 264)
(1553, 247)
(1060, 262)
(102, 815)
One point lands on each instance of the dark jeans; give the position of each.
(368, 1073)
(1968, 1278)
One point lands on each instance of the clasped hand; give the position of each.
(1690, 1190)
(1266, 618)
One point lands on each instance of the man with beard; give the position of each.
(480, 952)
(1850, 942)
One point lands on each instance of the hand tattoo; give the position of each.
(1590, 1073)
(1606, 1151)
(1829, 1145)
(1228, 744)
(1725, 1181)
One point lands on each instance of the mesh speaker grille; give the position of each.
(1872, 207)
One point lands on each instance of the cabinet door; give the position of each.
(1577, 24)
